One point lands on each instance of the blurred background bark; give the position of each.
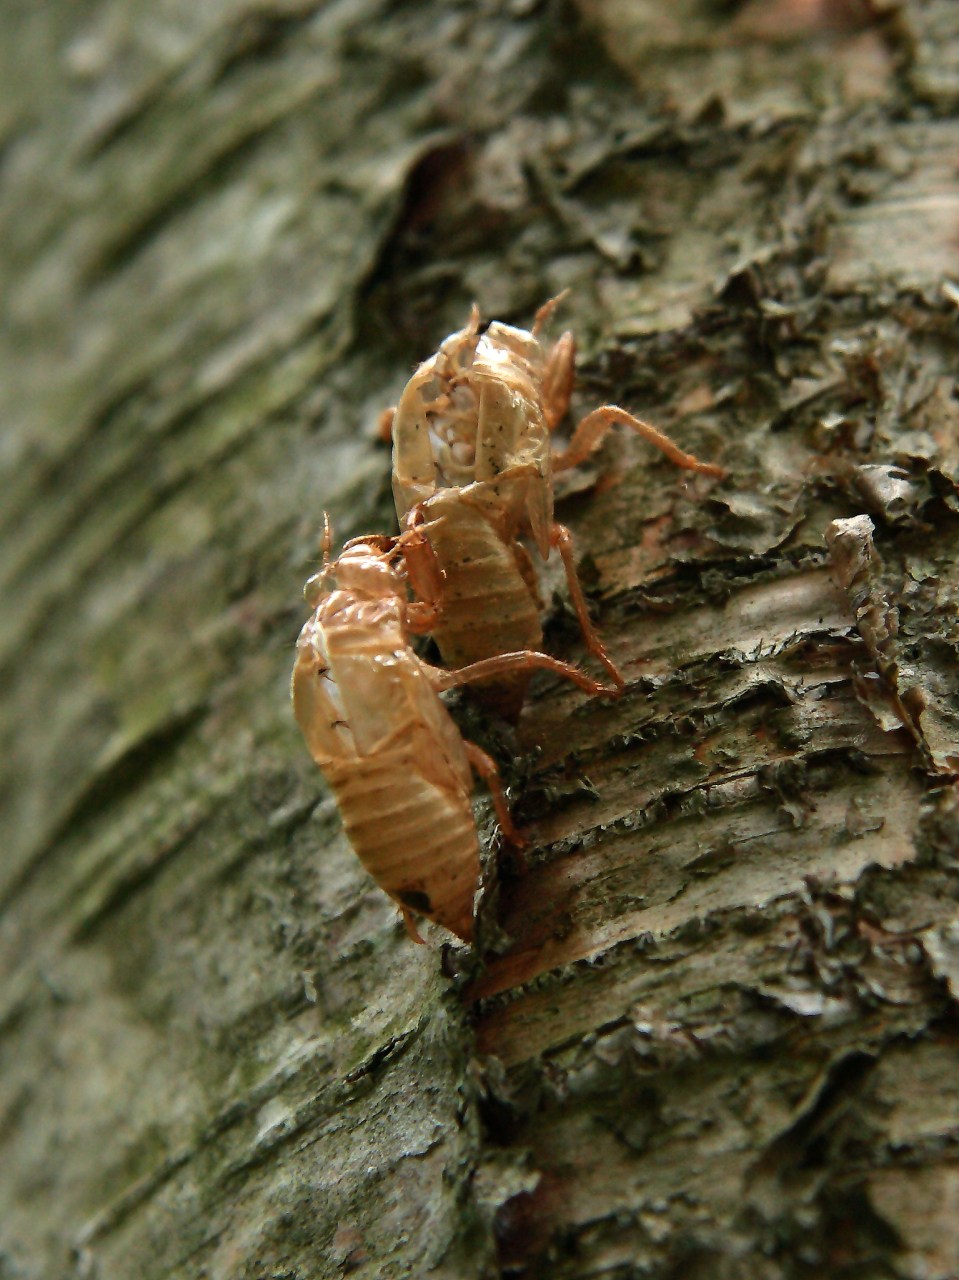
(718, 1034)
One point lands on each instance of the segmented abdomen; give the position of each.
(487, 607)
(417, 840)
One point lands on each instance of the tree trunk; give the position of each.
(714, 1029)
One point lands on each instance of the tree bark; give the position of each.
(713, 1029)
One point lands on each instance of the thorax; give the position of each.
(353, 625)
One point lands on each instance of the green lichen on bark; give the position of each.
(718, 1037)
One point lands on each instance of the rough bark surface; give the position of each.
(715, 1030)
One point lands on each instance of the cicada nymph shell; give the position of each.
(370, 712)
(476, 412)
(393, 757)
(473, 463)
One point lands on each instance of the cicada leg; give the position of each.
(545, 313)
(595, 425)
(381, 542)
(561, 538)
(410, 925)
(384, 426)
(505, 664)
(524, 562)
(423, 571)
(485, 766)
(558, 378)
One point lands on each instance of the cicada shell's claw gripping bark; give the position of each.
(472, 471)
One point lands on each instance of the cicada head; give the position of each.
(368, 567)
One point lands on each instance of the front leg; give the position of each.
(384, 426)
(422, 569)
(420, 618)
(590, 432)
(558, 377)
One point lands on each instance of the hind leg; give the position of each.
(485, 766)
(505, 664)
(562, 539)
(590, 432)
(410, 925)
(524, 563)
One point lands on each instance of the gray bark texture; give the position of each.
(714, 1030)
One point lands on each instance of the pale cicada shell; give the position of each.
(476, 412)
(370, 712)
(473, 464)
